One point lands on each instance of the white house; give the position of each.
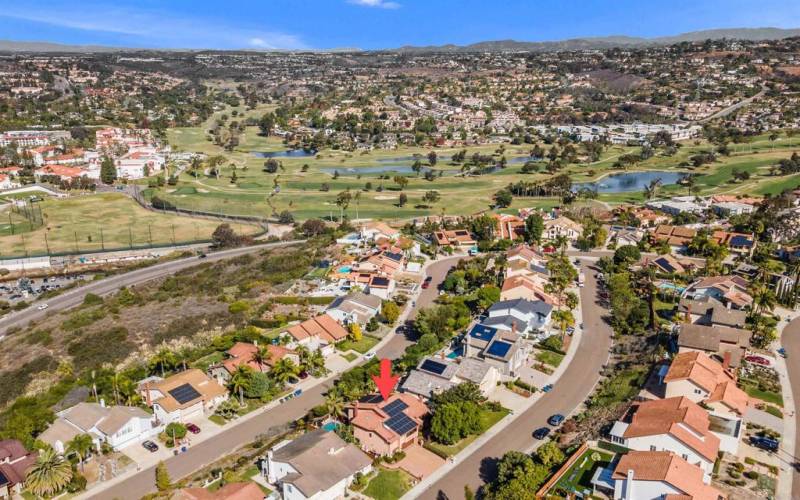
(355, 307)
(119, 426)
(520, 315)
(562, 226)
(675, 424)
(318, 465)
(183, 396)
(656, 475)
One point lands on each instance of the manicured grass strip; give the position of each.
(365, 344)
(388, 485)
(550, 358)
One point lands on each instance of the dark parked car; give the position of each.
(193, 428)
(541, 433)
(150, 446)
(555, 420)
(427, 282)
(764, 443)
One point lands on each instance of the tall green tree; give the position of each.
(163, 481)
(534, 227)
(81, 445)
(108, 171)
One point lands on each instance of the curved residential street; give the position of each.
(239, 433)
(74, 297)
(571, 390)
(790, 339)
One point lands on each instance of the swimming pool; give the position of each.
(345, 269)
(330, 426)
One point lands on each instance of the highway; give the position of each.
(246, 431)
(74, 297)
(572, 389)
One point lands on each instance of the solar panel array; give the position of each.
(498, 348)
(665, 264)
(395, 407)
(184, 393)
(401, 424)
(432, 366)
(372, 398)
(482, 332)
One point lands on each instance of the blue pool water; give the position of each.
(330, 426)
(630, 181)
(345, 269)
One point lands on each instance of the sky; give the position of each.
(369, 24)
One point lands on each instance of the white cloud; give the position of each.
(156, 28)
(379, 4)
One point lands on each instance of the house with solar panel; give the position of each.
(183, 396)
(434, 375)
(385, 427)
(504, 350)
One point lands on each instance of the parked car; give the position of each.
(547, 388)
(369, 355)
(555, 420)
(427, 282)
(193, 428)
(782, 352)
(42, 307)
(758, 360)
(150, 446)
(764, 443)
(541, 433)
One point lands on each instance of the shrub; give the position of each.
(239, 306)
(95, 349)
(751, 474)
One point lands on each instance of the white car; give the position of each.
(42, 307)
(369, 355)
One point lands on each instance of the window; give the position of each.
(652, 448)
(685, 457)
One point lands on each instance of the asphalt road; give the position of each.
(574, 386)
(226, 442)
(790, 339)
(74, 297)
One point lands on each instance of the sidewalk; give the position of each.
(305, 385)
(420, 487)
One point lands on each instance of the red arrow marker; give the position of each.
(386, 381)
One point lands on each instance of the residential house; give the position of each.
(519, 315)
(243, 353)
(669, 264)
(703, 380)
(458, 238)
(320, 332)
(729, 208)
(508, 227)
(381, 286)
(183, 396)
(15, 460)
(435, 375)
(6, 182)
(526, 287)
(377, 231)
(660, 475)
(386, 427)
(524, 260)
(504, 350)
(318, 465)
(708, 311)
(562, 226)
(387, 263)
(118, 426)
(230, 491)
(355, 307)
(674, 424)
(730, 290)
(738, 243)
(679, 205)
(623, 236)
(723, 342)
(676, 237)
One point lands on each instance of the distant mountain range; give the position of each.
(590, 43)
(607, 42)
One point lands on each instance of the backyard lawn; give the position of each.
(578, 478)
(549, 358)
(388, 485)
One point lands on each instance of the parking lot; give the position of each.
(28, 289)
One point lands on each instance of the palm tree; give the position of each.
(561, 243)
(564, 319)
(49, 474)
(164, 359)
(81, 445)
(763, 300)
(334, 404)
(283, 370)
(261, 356)
(240, 381)
(315, 362)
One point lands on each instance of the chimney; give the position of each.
(514, 326)
(441, 355)
(726, 360)
(102, 402)
(628, 495)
